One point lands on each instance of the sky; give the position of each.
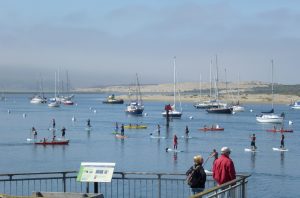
(107, 42)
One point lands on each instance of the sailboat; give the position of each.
(136, 107)
(173, 113)
(39, 98)
(222, 108)
(54, 102)
(211, 103)
(237, 107)
(270, 116)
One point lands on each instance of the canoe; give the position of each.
(211, 129)
(280, 130)
(55, 142)
(135, 127)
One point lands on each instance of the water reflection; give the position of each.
(175, 157)
(253, 158)
(282, 159)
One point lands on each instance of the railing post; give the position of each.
(95, 187)
(243, 188)
(159, 185)
(87, 187)
(64, 182)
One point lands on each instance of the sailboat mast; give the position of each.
(139, 94)
(55, 85)
(174, 86)
(272, 62)
(210, 79)
(217, 79)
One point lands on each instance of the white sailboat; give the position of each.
(136, 107)
(237, 107)
(39, 98)
(54, 103)
(173, 113)
(270, 117)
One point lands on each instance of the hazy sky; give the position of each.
(107, 42)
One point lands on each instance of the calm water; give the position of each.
(274, 174)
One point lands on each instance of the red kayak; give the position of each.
(211, 129)
(55, 142)
(280, 130)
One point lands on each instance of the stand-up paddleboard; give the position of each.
(186, 137)
(173, 150)
(116, 132)
(52, 129)
(280, 149)
(121, 136)
(88, 128)
(251, 150)
(30, 140)
(157, 137)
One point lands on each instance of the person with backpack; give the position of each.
(196, 176)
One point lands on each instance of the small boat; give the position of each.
(54, 104)
(112, 100)
(68, 102)
(53, 142)
(213, 128)
(37, 99)
(135, 126)
(296, 105)
(280, 130)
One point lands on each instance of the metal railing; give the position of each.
(123, 185)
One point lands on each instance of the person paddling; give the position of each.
(88, 123)
(63, 132)
(214, 154)
(34, 132)
(175, 142)
(282, 141)
(122, 129)
(158, 130)
(187, 131)
(253, 139)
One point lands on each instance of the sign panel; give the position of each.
(95, 172)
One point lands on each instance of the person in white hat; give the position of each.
(223, 167)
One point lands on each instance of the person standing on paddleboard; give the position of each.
(253, 139)
(187, 131)
(122, 129)
(282, 141)
(175, 142)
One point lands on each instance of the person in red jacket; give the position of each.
(223, 167)
(175, 142)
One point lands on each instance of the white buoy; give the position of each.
(73, 119)
(145, 114)
(24, 115)
(251, 110)
(191, 117)
(8, 111)
(95, 111)
(290, 122)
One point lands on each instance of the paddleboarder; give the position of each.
(88, 123)
(117, 127)
(63, 132)
(214, 154)
(253, 139)
(122, 129)
(282, 141)
(34, 132)
(187, 131)
(53, 123)
(158, 130)
(175, 142)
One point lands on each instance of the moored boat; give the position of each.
(296, 105)
(112, 100)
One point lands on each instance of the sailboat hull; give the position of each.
(173, 114)
(220, 110)
(269, 118)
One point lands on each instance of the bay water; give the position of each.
(273, 174)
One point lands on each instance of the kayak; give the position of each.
(135, 127)
(211, 129)
(280, 130)
(121, 136)
(55, 142)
